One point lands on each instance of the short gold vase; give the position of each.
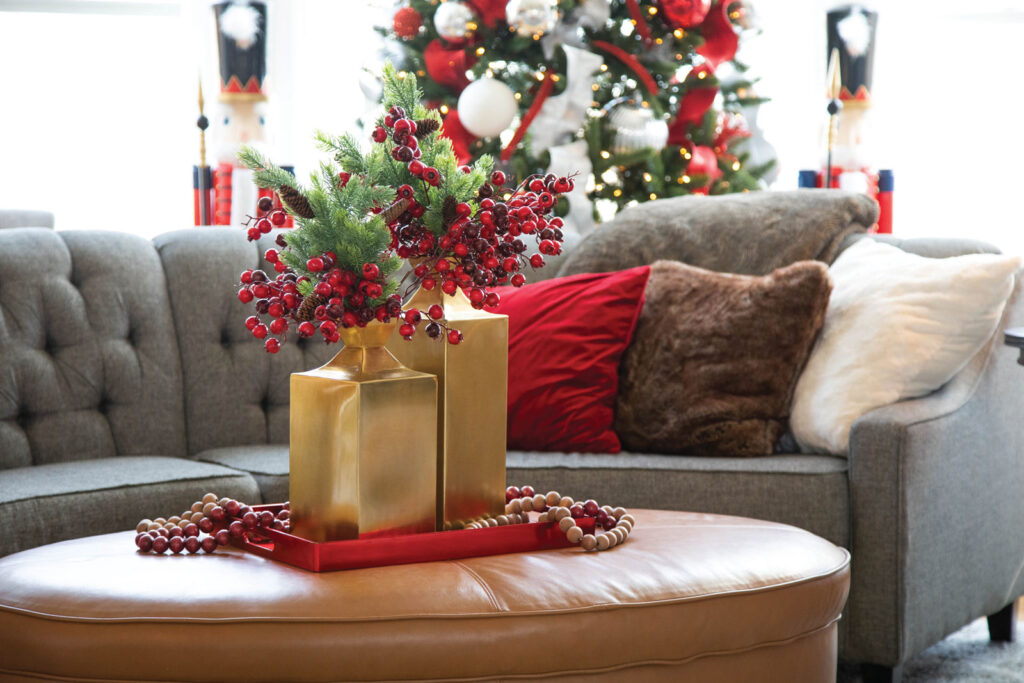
(363, 434)
(472, 382)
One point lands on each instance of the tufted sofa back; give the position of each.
(235, 392)
(89, 363)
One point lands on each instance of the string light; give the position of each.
(595, 87)
(556, 78)
(654, 196)
(686, 178)
(444, 108)
(539, 76)
(402, 74)
(421, 73)
(647, 177)
(702, 74)
(605, 154)
(518, 96)
(683, 152)
(604, 67)
(735, 165)
(652, 10)
(617, 192)
(678, 56)
(680, 180)
(599, 187)
(679, 33)
(471, 26)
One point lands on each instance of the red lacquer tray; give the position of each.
(407, 549)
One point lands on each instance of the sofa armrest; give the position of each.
(937, 502)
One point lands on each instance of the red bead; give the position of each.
(272, 345)
(160, 544)
(537, 261)
(206, 525)
(266, 518)
(315, 264)
(406, 330)
(306, 329)
(223, 537)
(146, 544)
(175, 532)
(231, 507)
(527, 492)
(209, 544)
(609, 523)
(249, 519)
(284, 514)
(245, 295)
(217, 514)
(511, 493)
(139, 536)
(435, 311)
(591, 507)
(193, 544)
(191, 530)
(277, 218)
(176, 544)
(260, 331)
(236, 529)
(577, 511)
(454, 337)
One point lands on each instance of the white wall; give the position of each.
(97, 103)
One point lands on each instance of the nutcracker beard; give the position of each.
(240, 122)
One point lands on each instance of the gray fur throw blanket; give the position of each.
(751, 234)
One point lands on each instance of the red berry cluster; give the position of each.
(588, 508)
(402, 132)
(268, 219)
(220, 522)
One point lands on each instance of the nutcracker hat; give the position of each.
(851, 31)
(242, 45)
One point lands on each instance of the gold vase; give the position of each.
(472, 383)
(363, 429)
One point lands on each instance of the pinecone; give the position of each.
(426, 126)
(395, 210)
(448, 210)
(308, 307)
(296, 202)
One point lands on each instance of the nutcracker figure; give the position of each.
(849, 159)
(240, 119)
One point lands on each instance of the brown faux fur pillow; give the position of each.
(715, 358)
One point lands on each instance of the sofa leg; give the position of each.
(876, 673)
(1002, 625)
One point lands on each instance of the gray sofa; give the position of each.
(129, 386)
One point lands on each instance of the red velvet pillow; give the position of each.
(566, 337)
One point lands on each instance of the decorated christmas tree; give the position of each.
(625, 91)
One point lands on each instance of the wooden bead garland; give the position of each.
(554, 507)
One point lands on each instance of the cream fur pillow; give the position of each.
(897, 326)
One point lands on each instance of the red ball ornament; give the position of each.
(684, 13)
(407, 22)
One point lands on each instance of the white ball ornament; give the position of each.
(634, 127)
(531, 17)
(487, 107)
(452, 19)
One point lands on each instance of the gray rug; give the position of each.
(966, 655)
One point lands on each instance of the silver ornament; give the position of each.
(452, 20)
(634, 127)
(531, 17)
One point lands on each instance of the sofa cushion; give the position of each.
(715, 358)
(235, 392)
(807, 491)
(752, 233)
(49, 503)
(267, 464)
(89, 365)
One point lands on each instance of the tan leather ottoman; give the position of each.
(688, 597)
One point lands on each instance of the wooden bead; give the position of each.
(629, 518)
(223, 501)
(196, 516)
(623, 524)
(142, 526)
(543, 517)
(589, 542)
(552, 498)
(539, 501)
(491, 521)
(517, 505)
(447, 526)
(602, 542)
(197, 506)
(208, 506)
(160, 520)
(209, 498)
(169, 525)
(566, 523)
(607, 509)
(566, 502)
(618, 512)
(619, 535)
(613, 540)
(184, 522)
(153, 526)
(574, 534)
(562, 513)
(502, 520)
(526, 504)
(174, 520)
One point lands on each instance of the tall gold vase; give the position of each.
(472, 387)
(363, 429)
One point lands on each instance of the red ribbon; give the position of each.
(720, 39)
(461, 138)
(545, 89)
(638, 20)
(632, 62)
(447, 66)
(490, 11)
(692, 106)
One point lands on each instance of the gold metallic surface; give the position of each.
(472, 382)
(363, 433)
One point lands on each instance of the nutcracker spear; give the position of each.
(202, 123)
(835, 105)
